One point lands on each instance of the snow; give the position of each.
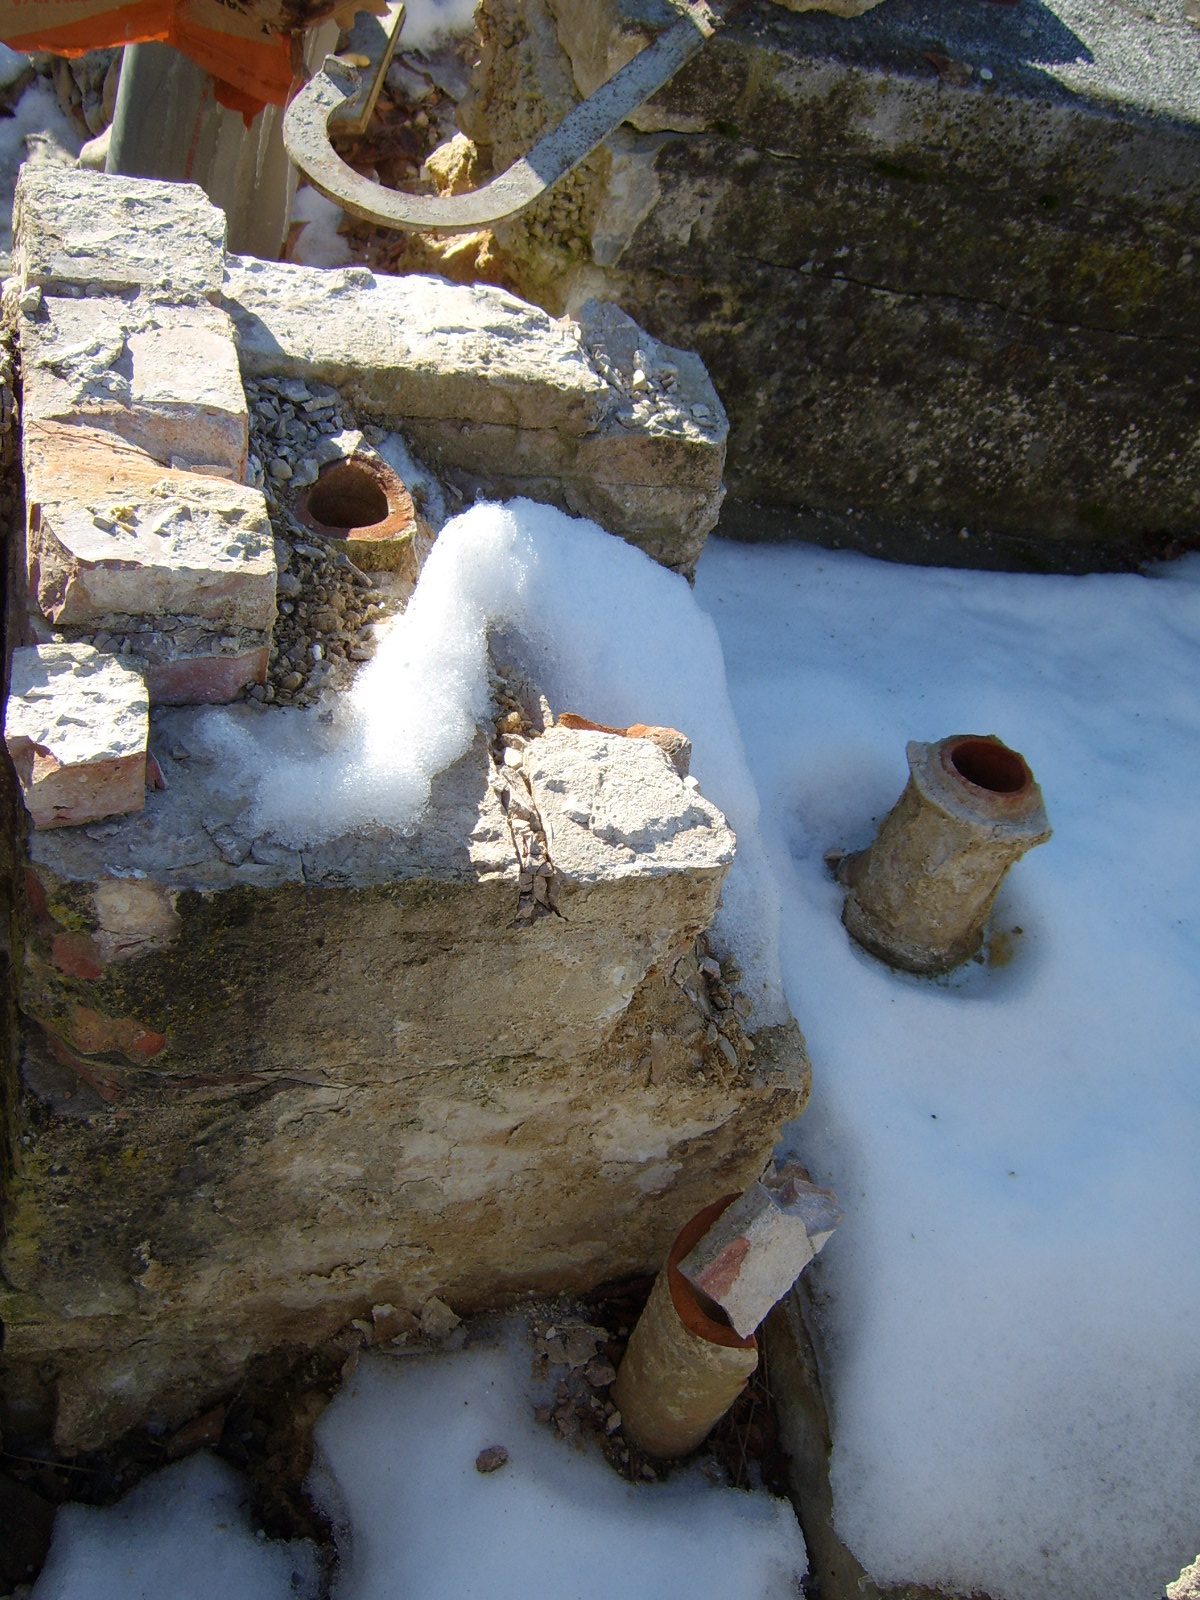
(318, 243)
(604, 630)
(183, 1534)
(399, 1447)
(428, 23)
(1010, 1306)
(51, 136)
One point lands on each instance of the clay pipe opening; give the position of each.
(347, 495)
(989, 765)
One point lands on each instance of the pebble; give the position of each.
(491, 1459)
(280, 470)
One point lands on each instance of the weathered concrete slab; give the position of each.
(76, 725)
(414, 346)
(345, 1076)
(592, 415)
(941, 267)
(165, 378)
(612, 806)
(84, 230)
(111, 532)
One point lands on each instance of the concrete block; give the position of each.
(111, 532)
(414, 346)
(363, 1082)
(89, 230)
(76, 726)
(165, 378)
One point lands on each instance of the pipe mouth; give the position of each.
(989, 765)
(358, 499)
(347, 495)
(688, 1306)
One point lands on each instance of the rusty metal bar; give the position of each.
(307, 122)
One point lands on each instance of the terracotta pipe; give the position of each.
(683, 1367)
(920, 895)
(359, 502)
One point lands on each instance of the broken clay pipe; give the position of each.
(918, 898)
(683, 1367)
(754, 1252)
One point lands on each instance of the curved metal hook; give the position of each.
(306, 136)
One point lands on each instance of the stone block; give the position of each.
(592, 415)
(414, 346)
(951, 316)
(111, 532)
(612, 806)
(89, 230)
(165, 378)
(347, 1076)
(76, 726)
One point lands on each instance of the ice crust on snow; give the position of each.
(604, 630)
(184, 1534)
(1010, 1305)
(397, 1452)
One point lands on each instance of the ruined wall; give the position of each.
(268, 1088)
(941, 266)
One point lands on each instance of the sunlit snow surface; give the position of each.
(399, 1446)
(1011, 1304)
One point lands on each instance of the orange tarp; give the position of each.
(253, 65)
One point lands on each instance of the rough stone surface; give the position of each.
(326, 1080)
(76, 725)
(113, 532)
(611, 806)
(592, 415)
(942, 271)
(1187, 1584)
(86, 230)
(165, 378)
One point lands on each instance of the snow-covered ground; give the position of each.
(415, 1520)
(1012, 1304)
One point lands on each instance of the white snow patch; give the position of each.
(1012, 1301)
(398, 1449)
(604, 630)
(54, 138)
(318, 244)
(428, 23)
(184, 1534)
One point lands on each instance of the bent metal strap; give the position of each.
(307, 122)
